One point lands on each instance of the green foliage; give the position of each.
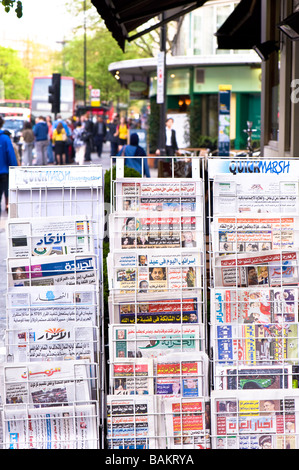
(195, 123)
(14, 75)
(8, 4)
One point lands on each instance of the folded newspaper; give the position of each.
(152, 271)
(255, 344)
(49, 236)
(254, 234)
(158, 195)
(182, 374)
(132, 377)
(47, 384)
(131, 422)
(55, 427)
(269, 270)
(185, 422)
(142, 308)
(149, 341)
(49, 270)
(254, 305)
(255, 193)
(267, 420)
(156, 231)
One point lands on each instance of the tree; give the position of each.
(8, 4)
(14, 75)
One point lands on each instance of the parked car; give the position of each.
(14, 126)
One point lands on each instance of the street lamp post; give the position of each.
(84, 66)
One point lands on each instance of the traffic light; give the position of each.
(54, 93)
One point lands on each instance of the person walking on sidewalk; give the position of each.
(28, 139)
(7, 159)
(40, 131)
(133, 150)
(59, 140)
(79, 143)
(99, 135)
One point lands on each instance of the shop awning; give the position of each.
(124, 16)
(242, 29)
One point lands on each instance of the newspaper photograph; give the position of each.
(131, 422)
(254, 377)
(254, 305)
(62, 427)
(268, 270)
(181, 374)
(154, 272)
(157, 232)
(255, 193)
(255, 344)
(254, 234)
(50, 271)
(45, 384)
(267, 421)
(132, 377)
(127, 309)
(168, 195)
(151, 341)
(187, 423)
(49, 236)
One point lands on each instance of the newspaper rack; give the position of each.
(158, 362)
(53, 390)
(253, 255)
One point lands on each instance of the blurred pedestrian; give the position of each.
(122, 131)
(88, 127)
(132, 150)
(28, 141)
(50, 146)
(99, 135)
(113, 137)
(171, 145)
(59, 140)
(7, 159)
(79, 143)
(40, 131)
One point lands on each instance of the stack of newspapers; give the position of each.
(49, 388)
(254, 311)
(158, 364)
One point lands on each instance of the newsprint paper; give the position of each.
(57, 323)
(49, 236)
(269, 419)
(131, 422)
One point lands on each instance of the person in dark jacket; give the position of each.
(7, 159)
(40, 131)
(133, 150)
(99, 135)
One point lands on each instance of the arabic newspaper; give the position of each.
(254, 305)
(255, 193)
(47, 383)
(51, 270)
(55, 427)
(152, 231)
(132, 377)
(254, 377)
(255, 344)
(267, 421)
(168, 195)
(49, 236)
(181, 374)
(269, 270)
(153, 340)
(254, 234)
(129, 309)
(187, 423)
(158, 273)
(131, 422)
